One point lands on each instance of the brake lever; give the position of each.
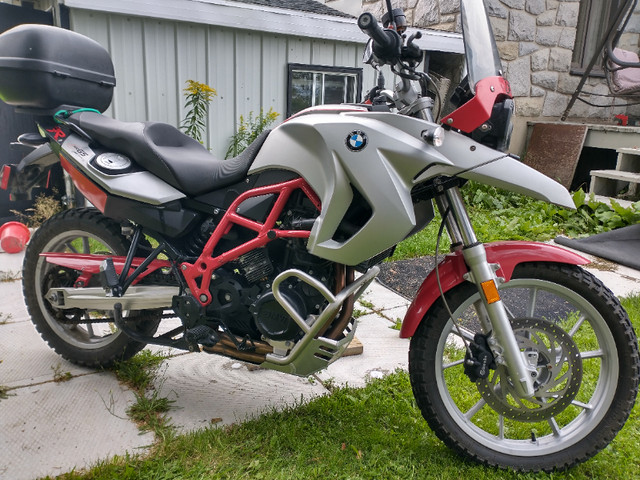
(411, 52)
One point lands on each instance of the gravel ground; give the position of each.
(406, 276)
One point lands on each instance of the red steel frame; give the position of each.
(198, 275)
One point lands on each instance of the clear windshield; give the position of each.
(483, 59)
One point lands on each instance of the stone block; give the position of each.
(560, 60)
(426, 15)
(540, 60)
(515, 4)
(449, 6)
(409, 15)
(568, 83)
(522, 27)
(548, 80)
(529, 107)
(500, 28)
(634, 23)
(535, 7)
(519, 76)
(552, 4)
(628, 41)
(548, 36)
(508, 50)
(444, 27)
(567, 38)
(547, 18)
(568, 14)
(554, 104)
(537, 91)
(496, 9)
(525, 48)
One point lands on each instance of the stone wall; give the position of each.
(535, 39)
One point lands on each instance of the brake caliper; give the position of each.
(479, 361)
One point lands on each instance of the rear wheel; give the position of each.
(85, 337)
(584, 350)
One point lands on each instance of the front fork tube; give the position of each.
(462, 234)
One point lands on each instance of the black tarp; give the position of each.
(620, 246)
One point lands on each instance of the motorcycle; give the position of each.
(518, 357)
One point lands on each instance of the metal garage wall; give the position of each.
(154, 58)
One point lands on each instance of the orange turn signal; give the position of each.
(490, 291)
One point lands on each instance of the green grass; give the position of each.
(149, 410)
(370, 433)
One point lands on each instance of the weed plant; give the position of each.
(248, 130)
(198, 98)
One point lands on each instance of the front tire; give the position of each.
(586, 355)
(98, 342)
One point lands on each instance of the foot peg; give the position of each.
(109, 278)
(201, 335)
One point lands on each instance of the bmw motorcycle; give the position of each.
(518, 358)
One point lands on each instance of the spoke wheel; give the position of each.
(86, 337)
(576, 336)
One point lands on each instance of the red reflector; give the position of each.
(4, 177)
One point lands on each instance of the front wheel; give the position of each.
(584, 350)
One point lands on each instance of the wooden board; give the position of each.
(354, 348)
(554, 149)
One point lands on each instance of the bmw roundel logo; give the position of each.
(356, 141)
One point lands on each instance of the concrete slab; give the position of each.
(27, 359)
(10, 264)
(384, 352)
(52, 428)
(12, 308)
(211, 390)
(382, 297)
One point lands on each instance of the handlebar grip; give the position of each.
(369, 25)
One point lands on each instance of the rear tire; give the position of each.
(587, 362)
(89, 344)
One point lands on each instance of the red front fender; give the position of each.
(452, 269)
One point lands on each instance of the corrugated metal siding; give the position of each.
(154, 58)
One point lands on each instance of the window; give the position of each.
(590, 32)
(311, 85)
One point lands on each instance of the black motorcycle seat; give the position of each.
(165, 151)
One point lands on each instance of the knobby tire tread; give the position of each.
(424, 386)
(79, 218)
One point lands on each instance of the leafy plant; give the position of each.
(198, 98)
(503, 215)
(248, 130)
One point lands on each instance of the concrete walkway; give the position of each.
(49, 427)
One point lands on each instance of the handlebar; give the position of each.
(387, 43)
